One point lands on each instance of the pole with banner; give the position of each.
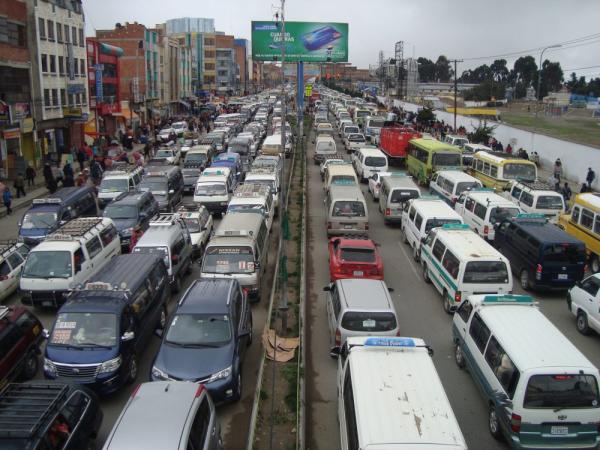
(300, 97)
(98, 68)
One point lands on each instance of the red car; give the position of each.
(354, 258)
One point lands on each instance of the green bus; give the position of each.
(427, 156)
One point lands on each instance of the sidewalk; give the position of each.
(37, 190)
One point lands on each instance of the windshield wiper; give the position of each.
(92, 344)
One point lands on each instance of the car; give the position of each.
(354, 258)
(12, 257)
(164, 134)
(583, 301)
(206, 339)
(170, 154)
(354, 141)
(375, 182)
(335, 159)
(190, 177)
(200, 225)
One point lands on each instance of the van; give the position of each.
(541, 254)
(340, 175)
(540, 390)
(199, 156)
(324, 146)
(458, 262)
(101, 332)
(239, 249)
(272, 145)
(116, 182)
(214, 191)
(253, 199)
(537, 197)
(367, 161)
(68, 257)
(456, 139)
(267, 176)
(46, 214)
(390, 396)
(347, 211)
(449, 184)
(166, 184)
(359, 307)
(483, 209)
(420, 216)
(396, 189)
(469, 150)
(12, 258)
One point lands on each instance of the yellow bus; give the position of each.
(427, 156)
(583, 223)
(497, 172)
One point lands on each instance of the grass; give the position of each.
(290, 373)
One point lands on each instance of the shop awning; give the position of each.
(110, 49)
(126, 113)
(186, 104)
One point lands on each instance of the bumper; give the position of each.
(555, 285)
(221, 391)
(346, 232)
(104, 384)
(216, 207)
(392, 219)
(43, 299)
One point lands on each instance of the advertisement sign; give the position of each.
(99, 89)
(21, 111)
(304, 41)
(72, 112)
(4, 113)
(75, 88)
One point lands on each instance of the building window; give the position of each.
(81, 39)
(63, 97)
(12, 33)
(74, 35)
(67, 35)
(59, 32)
(42, 28)
(78, 99)
(82, 67)
(75, 68)
(50, 30)
(71, 99)
(54, 97)
(46, 98)
(52, 64)
(44, 63)
(61, 64)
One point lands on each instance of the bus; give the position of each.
(497, 172)
(427, 156)
(583, 223)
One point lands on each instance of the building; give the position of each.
(59, 74)
(190, 25)
(227, 68)
(185, 94)
(208, 64)
(241, 59)
(17, 144)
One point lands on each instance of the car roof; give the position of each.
(353, 242)
(362, 293)
(457, 175)
(434, 208)
(483, 195)
(130, 198)
(207, 295)
(468, 245)
(545, 232)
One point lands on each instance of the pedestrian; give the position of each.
(509, 149)
(566, 192)
(557, 169)
(147, 150)
(30, 175)
(590, 177)
(20, 185)
(96, 172)
(69, 176)
(47, 173)
(81, 158)
(7, 199)
(584, 188)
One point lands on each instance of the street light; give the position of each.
(537, 92)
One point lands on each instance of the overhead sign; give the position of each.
(76, 88)
(304, 41)
(308, 90)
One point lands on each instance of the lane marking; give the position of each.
(410, 262)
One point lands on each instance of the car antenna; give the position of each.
(167, 387)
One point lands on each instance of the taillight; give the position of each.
(199, 390)
(388, 212)
(246, 291)
(515, 423)
(367, 226)
(135, 390)
(538, 272)
(338, 338)
(486, 229)
(398, 333)
(329, 225)
(3, 277)
(457, 296)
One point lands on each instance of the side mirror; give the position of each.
(257, 264)
(158, 333)
(203, 228)
(578, 284)
(45, 333)
(327, 288)
(127, 336)
(243, 334)
(334, 352)
(171, 191)
(390, 289)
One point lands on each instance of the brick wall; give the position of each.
(14, 11)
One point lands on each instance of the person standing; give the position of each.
(30, 175)
(566, 192)
(590, 177)
(69, 179)
(20, 185)
(557, 169)
(81, 158)
(7, 199)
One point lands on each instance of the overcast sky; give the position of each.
(455, 28)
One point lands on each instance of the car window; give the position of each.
(438, 250)
(75, 407)
(480, 211)
(469, 204)
(15, 260)
(418, 221)
(335, 299)
(591, 286)
(451, 264)
(26, 321)
(199, 430)
(93, 247)
(108, 234)
(464, 311)
(9, 337)
(502, 367)
(479, 332)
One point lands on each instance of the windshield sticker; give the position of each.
(61, 336)
(250, 266)
(242, 265)
(66, 325)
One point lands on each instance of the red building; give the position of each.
(104, 77)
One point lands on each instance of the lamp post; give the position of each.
(539, 80)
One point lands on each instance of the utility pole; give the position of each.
(455, 89)
(539, 78)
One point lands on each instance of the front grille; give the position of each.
(78, 373)
(40, 297)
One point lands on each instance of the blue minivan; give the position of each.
(48, 213)
(233, 161)
(102, 330)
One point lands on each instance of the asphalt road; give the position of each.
(420, 313)
(234, 418)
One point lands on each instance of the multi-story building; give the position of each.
(190, 25)
(59, 74)
(241, 59)
(209, 62)
(227, 68)
(16, 124)
(185, 70)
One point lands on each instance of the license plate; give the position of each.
(559, 430)
(563, 276)
(47, 303)
(358, 273)
(369, 323)
(347, 227)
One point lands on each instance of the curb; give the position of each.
(24, 204)
(301, 414)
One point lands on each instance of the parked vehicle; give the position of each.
(165, 184)
(496, 172)
(347, 212)
(251, 198)
(324, 147)
(340, 175)
(538, 197)
(427, 156)
(199, 156)
(12, 257)
(469, 149)
(213, 190)
(354, 258)
(582, 223)
(456, 139)
(116, 182)
(393, 141)
(367, 161)
(199, 223)
(449, 184)
(584, 303)
(170, 154)
(395, 191)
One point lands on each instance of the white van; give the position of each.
(253, 199)
(272, 145)
(266, 176)
(367, 161)
(458, 262)
(390, 396)
(340, 175)
(420, 216)
(324, 147)
(541, 392)
(449, 184)
(482, 208)
(456, 139)
(214, 192)
(115, 182)
(67, 258)
(347, 211)
(396, 189)
(538, 197)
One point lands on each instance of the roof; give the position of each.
(345, 192)
(395, 181)
(434, 208)
(530, 338)
(236, 222)
(119, 273)
(589, 200)
(207, 295)
(545, 232)
(211, 178)
(392, 405)
(457, 175)
(468, 245)
(484, 195)
(540, 186)
(499, 159)
(130, 198)
(435, 145)
(352, 242)
(365, 293)
(371, 151)
(478, 147)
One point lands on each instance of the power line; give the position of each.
(573, 69)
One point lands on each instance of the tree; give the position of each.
(551, 78)
(443, 71)
(499, 70)
(485, 91)
(425, 115)
(525, 71)
(482, 133)
(426, 70)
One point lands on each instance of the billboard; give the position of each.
(304, 41)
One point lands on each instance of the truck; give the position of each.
(393, 141)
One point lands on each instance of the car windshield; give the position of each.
(85, 330)
(162, 252)
(116, 211)
(562, 391)
(207, 189)
(356, 138)
(376, 123)
(190, 173)
(486, 272)
(114, 185)
(263, 182)
(193, 225)
(367, 321)
(343, 180)
(195, 157)
(519, 171)
(248, 208)
(348, 208)
(434, 223)
(375, 161)
(199, 330)
(157, 187)
(237, 148)
(466, 185)
(358, 255)
(500, 214)
(232, 259)
(39, 220)
(403, 195)
(446, 159)
(164, 153)
(350, 129)
(48, 264)
(550, 202)
(564, 253)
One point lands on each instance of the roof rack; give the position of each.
(4, 310)
(25, 407)
(537, 185)
(165, 219)
(47, 200)
(263, 170)
(7, 245)
(241, 233)
(75, 228)
(189, 207)
(252, 190)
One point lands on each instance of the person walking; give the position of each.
(69, 179)
(20, 185)
(566, 192)
(7, 199)
(30, 175)
(81, 158)
(558, 169)
(590, 177)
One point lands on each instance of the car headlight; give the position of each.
(49, 367)
(159, 374)
(111, 365)
(220, 375)
(127, 231)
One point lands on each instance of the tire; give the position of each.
(30, 365)
(494, 424)
(176, 286)
(237, 394)
(595, 264)
(425, 274)
(446, 302)
(459, 357)
(524, 280)
(569, 301)
(582, 323)
(132, 370)
(403, 233)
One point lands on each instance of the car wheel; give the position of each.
(416, 254)
(595, 264)
(582, 323)
(238, 388)
(446, 302)
(425, 274)
(176, 287)
(569, 302)
(132, 370)
(494, 424)
(459, 356)
(404, 237)
(524, 278)
(30, 366)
